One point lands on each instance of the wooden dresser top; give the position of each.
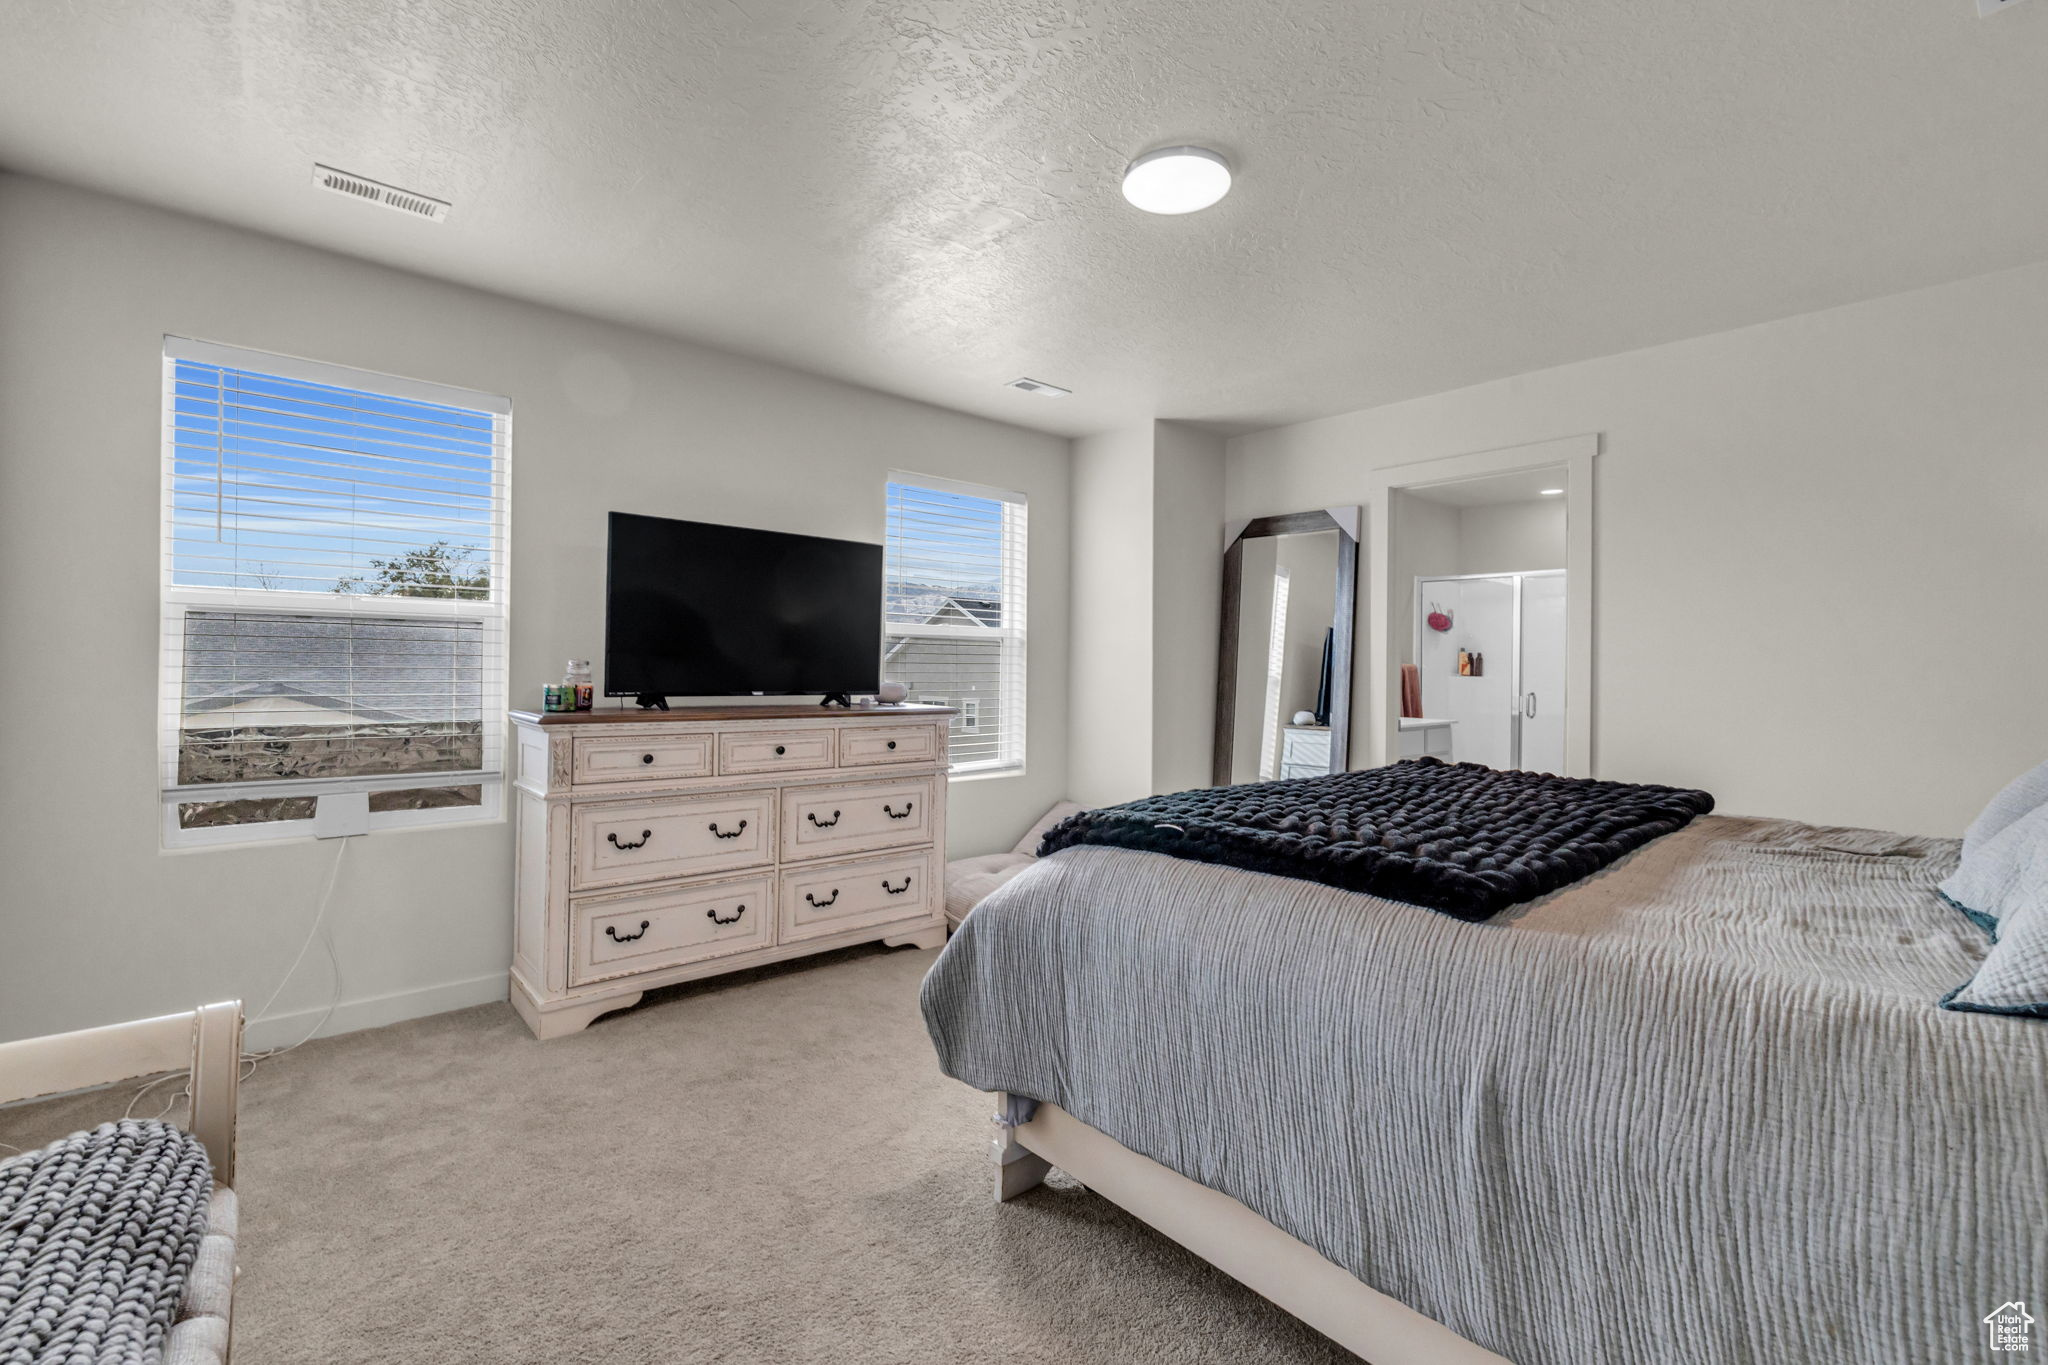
(633, 715)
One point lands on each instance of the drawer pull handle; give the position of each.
(611, 931)
(894, 814)
(812, 816)
(892, 743)
(780, 751)
(716, 918)
(896, 890)
(727, 833)
(817, 904)
(647, 758)
(645, 835)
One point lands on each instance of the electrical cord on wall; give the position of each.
(333, 963)
(251, 1059)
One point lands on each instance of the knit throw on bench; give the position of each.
(97, 1235)
(1457, 837)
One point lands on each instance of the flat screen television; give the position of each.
(694, 609)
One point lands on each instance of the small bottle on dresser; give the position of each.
(576, 683)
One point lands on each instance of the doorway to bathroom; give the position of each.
(1481, 625)
(1489, 660)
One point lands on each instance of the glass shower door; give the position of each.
(1478, 693)
(1491, 650)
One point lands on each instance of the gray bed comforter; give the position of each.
(1698, 1107)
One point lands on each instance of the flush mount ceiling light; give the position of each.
(1176, 180)
(1551, 492)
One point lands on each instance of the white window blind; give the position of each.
(334, 601)
(953, 611)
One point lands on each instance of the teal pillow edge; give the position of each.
(1976, 917)
(1949, 1002)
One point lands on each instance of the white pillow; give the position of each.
(2026, 792)
(2006, 880)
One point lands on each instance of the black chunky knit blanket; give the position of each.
(1464, 839)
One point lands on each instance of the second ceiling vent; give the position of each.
(377, 192)
(1039, 387)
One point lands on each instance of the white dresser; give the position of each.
(657, 847)
(1305, 751)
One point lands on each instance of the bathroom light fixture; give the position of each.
(1550, 492)
(1176, 180)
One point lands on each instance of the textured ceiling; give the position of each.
(922, 195)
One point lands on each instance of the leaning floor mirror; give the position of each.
(1283, 672)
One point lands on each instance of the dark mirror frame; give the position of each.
(1341, 625)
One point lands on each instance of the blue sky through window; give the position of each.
(940, 545)
(280, 483)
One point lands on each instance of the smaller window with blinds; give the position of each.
(333, 595)
(953, 612)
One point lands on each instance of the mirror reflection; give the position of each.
(1284, 681)
(1285, 601)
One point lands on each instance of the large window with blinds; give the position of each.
(334, 603)
(953, 612)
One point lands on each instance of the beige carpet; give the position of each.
(768, 1168)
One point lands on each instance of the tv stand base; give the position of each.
(651, 701)
(838, 698)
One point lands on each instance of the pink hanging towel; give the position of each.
(1411, 691)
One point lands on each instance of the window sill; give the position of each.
(211, 839)
(984, 774)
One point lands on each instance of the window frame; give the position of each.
(1012, 635)
(177, 600)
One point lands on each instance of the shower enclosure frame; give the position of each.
(1520, 710)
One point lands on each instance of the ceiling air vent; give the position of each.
(1039, 387)
(376, 192)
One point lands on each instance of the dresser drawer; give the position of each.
(641, 760)
(831, 898)
(818, 822)
(678, 836)
(868, 744)
(640, 931)
(774, 751)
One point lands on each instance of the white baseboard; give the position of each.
(282, 1030)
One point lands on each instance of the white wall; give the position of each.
(1148, 573)
(1511, 537)
(1818, 545)
(1109, 741)
(1422, 540)
(96, 923)
(1187, 595)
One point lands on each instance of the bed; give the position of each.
(1699, 1106)
(206, 1045)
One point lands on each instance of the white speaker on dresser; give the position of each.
(663, 846)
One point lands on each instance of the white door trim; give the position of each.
(1575, 454)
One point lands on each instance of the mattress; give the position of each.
(1697, 1107)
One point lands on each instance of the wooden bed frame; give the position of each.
(205, 1043)
(1230, 1237)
